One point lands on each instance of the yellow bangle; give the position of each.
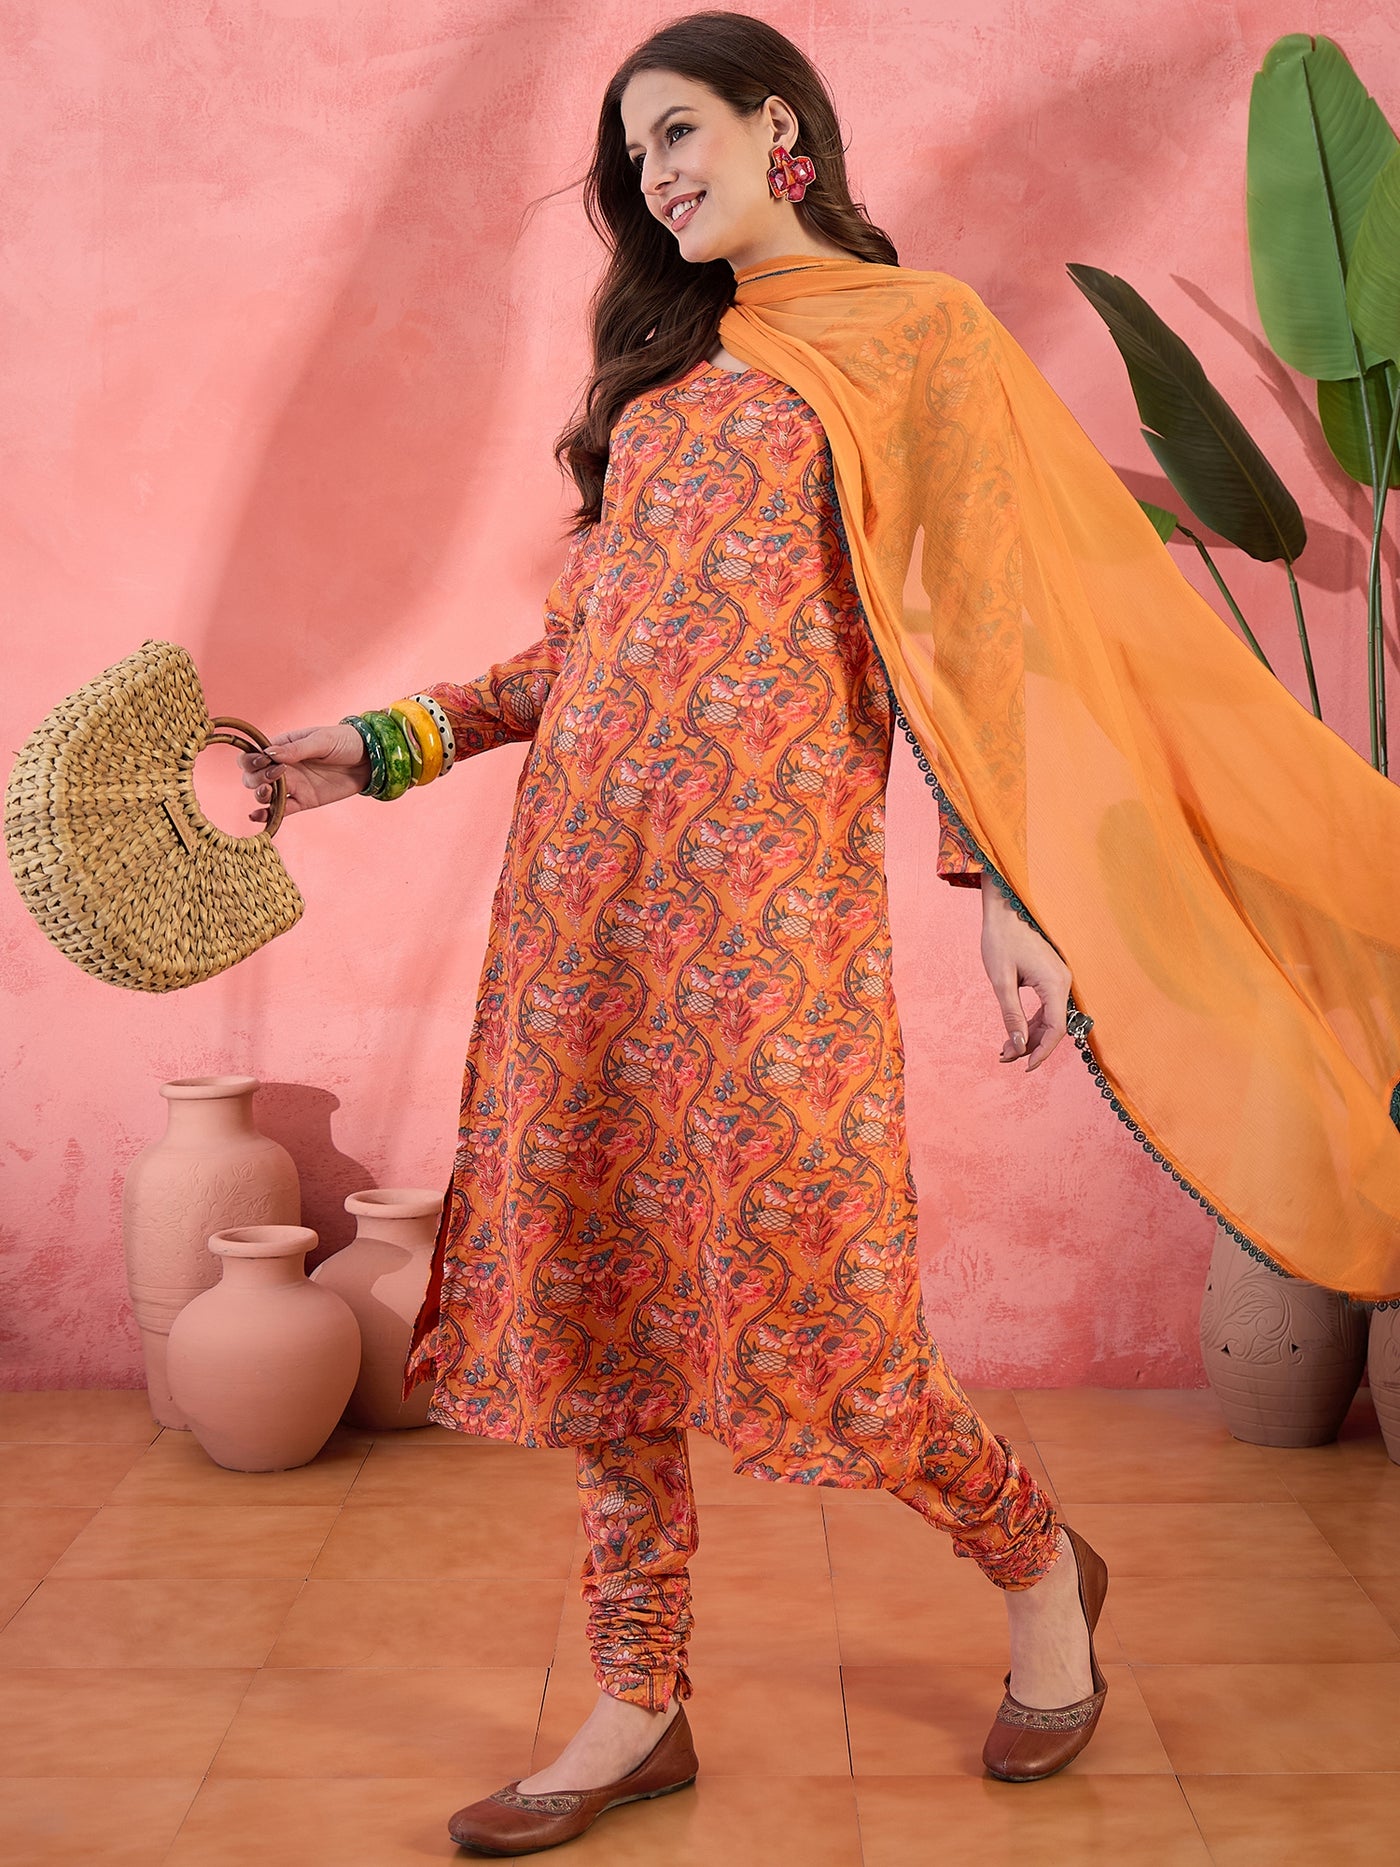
(429, 746)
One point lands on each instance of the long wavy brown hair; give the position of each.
(655, 315)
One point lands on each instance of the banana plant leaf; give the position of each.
(1317, 142)
(1165, 522)
(1339, 410)
(1199, 442)
(1373, 279)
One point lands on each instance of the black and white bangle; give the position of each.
(440, 720)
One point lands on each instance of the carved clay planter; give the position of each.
(1285, 1357)
(264, 1362)
(1383, 1369)
(211, 1168)
(383, 1274)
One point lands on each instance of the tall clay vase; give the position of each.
(210, 1168)
(1284, 1356)
(264, 1362)
(383, 1274)
(1383, 1369)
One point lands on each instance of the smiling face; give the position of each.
(691, 152)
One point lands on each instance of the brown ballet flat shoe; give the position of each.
(1028, 1741)
(511, 1823)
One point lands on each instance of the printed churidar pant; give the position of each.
(639, 1517)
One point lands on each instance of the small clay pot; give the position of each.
(263, 1364)
(383, 1275)
(1285, 1357)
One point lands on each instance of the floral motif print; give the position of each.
(639, 1518)
(681, 1193)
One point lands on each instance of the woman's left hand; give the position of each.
(1014, 954)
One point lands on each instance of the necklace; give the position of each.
(745, 276)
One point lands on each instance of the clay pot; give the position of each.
(263, 1363)
(1383, 1371)
(1285, 1357)
(210, 1168)
(383, 1275)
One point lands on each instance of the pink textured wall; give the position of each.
(283, 376)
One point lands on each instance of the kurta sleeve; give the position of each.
(956, 861)
(506, 701)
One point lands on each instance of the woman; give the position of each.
(682, 1194)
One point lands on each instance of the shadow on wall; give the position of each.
(367, 468)
(1008, 166)
(301, 1117)
(1054, 131)
(379, 447)
(1335, 558)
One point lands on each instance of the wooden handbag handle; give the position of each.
(248, 739)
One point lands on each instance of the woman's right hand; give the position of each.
(321, 764)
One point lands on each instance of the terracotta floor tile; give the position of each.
(31, 1541)
(1001, 1410)
(956, 1618)
(747, 1720)
(499, 1620)
(877, 1538)
(1088, 1413)
(502, 1529)
(1133, 1472)
(1207, 1539)
(102, 1416)
(149, 1542)
(571, 1639)
(1212, 1620)
(14, 1592)
(1070, 1820)
(442, 1475)
(165, 1623)
(1352, 1471)
(1296, 1821)
(63, 1474)
(1384, 1591)
(1260, 1667)
(177, 1470)
(737, 1540)
(380, 1721)
(54, 1821)
(333, 1821)
(1320, 1719)
(435, 1437)
(1366, 1537)
(762, 1620)
(933, 1721)
(399, 1822)
(114, 1721)
(749, 1821)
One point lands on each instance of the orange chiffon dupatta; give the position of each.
(1219, 870)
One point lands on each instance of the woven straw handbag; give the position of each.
(108, 846)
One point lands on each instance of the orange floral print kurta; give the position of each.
(681, 1193)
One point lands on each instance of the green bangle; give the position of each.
(415, 754)
(397, 761)
(374, 752)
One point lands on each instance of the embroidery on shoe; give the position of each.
(562, 1802)
(1048, 1718)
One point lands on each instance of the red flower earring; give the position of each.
(789, 177)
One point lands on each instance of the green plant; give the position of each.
(1323, 198)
